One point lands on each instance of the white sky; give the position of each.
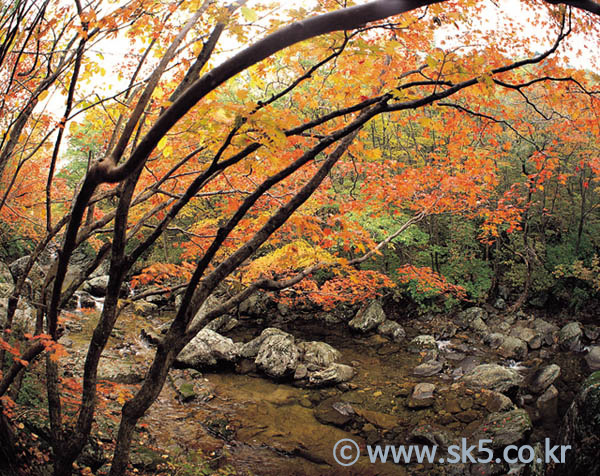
(496, 17)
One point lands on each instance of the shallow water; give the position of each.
(260, 427)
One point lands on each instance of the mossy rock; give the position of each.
(581, 430)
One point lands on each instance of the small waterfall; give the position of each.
(99, 301)
(513, 364)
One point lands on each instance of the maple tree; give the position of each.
(246, 161)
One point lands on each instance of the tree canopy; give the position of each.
(328, 154)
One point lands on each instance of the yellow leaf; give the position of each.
(249, 14)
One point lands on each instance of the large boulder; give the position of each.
(249, 350)
(256, 305)
(531, 337)
(96, 286)
(513, 348)
(504, 428)
(547, 330)
(544, 377)
(317, 355)
(208, 305)
(466, 317)
(547, 404)
(569, 337)
(478, 326)
(17, 269)
(35, 277)
(222, 324)
(422, 343)
(368, 317)
(581, 431)
(392, 330)
(208, 348)
(332, 375)
(23, 319)
(278, 355)
(493, 377)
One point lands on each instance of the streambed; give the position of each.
(249, 424)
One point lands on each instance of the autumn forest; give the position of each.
(285, 223)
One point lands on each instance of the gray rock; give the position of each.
(504, 428)
(478, 326)
(500, 304)
(512, 318)
(256, 305)
(208, 348)
(283, 309)
(544, 377)
(513, 348)
(392, 330)
(119, 371)
(421, 343)
(531, 337)
(332, 375)
(222, 324)
(569, 337)
(301, 372)
(368, 318)
(503, 292)
(96, 286)
(423, 390)
(17, 268)
(178, 300)
(494, 340)
(498, 402)
(432, 435)
(35, 277)
(580, 430)
(547, 404)
(317, 355)
(429, 368)
(593, 358)
(493, 377)
(23, 319)
(469, 363)
(421, 396)
(547, 330)
(249, 350)
(277, 355)
(591, 331)
(465, 317)
(208, 305)
(6, 276)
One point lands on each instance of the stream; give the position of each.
(249, 425)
